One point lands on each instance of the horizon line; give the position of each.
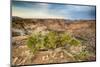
(52, 18)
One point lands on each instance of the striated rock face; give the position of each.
(29, 25)
(84, 30)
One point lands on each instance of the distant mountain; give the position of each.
(47, 21)
(16, 17)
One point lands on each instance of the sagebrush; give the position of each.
(51, 40)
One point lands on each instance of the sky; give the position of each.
(52, 10)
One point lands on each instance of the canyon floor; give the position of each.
(84, 30)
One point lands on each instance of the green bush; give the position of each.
(65, 38)
(50, 41)
(82, 55)
(74, 42)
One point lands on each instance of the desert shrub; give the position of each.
(74, 42)
(31, 43)
(50, 41)
(83, 55)
(65, 38)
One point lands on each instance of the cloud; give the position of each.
(34, 10)
(36, 14)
